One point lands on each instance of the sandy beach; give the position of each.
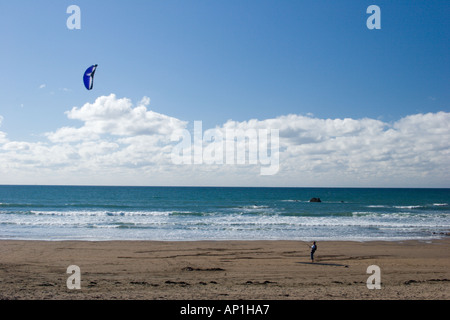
(198, 270)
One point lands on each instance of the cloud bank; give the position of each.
(119, 143)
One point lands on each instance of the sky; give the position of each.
(346, 105)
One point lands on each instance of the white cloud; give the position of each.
(42, 86)
(111, 116)
(119, 143)
(70, 134)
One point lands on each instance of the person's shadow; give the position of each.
(326, 264)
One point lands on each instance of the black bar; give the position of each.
(221, 309)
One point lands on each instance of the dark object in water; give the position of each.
(315, 200)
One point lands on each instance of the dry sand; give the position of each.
(216, 270)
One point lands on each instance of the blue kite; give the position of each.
(88, 77)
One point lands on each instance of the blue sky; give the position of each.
(226, 59)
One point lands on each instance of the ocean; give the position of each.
(222, 213)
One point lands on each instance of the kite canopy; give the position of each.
(88, 77)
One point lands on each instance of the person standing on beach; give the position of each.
(313, 249)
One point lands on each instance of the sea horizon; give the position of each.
(213, 186)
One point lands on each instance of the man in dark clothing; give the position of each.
(313, 249)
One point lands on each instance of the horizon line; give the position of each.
(211, 186)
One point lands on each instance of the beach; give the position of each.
(224, 270)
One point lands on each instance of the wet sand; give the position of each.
(230, 270)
